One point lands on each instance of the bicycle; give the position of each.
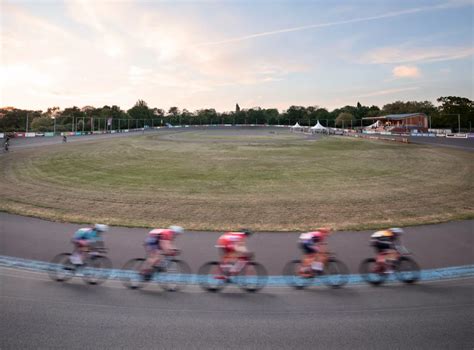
(404, 267)
(94, 270)
(172, 274)
(335, 273)
(251, 276)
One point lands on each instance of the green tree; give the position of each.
(344, 119)
(42, 124)
(272, 116)
(400, 107)
(450, 108)
(296, 114)
(174, 115)
(141, 112)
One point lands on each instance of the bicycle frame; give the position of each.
(232, 271)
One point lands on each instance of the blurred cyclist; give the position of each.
(6, 144)
(385, 242)
(159, 241)
(232, 248)
(86, 239)
(313, 246)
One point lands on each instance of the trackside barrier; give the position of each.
(457, 136)
(466, 271)
(380, 138)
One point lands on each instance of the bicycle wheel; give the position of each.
(252, 277)
(211, 277)
(371, 272)
(292, 273)
(63, 269)
(336, 273)
(131, 277)
(407, 270)
(175, 277)
(96, 269)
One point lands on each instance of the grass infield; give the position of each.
(223, 179)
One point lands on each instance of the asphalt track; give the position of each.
(433, 246)
(20, 143)
(41, 314)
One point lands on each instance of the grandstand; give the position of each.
(399, 122)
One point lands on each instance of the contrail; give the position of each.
(321, 25)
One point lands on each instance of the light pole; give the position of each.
(54, 125)
(26, 129)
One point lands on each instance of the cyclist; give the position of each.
(159, 241)
(313, 246)
(385, 242)
(86, 239)
(232, 249)
(6, 144)
(64, 138)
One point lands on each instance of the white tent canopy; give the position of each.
(296, 126)
(318, 126)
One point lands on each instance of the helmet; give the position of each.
(101, 227)
(176, 229)
(246, 231)
(397, 231)
(324, 230)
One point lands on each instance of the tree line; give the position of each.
(141, 115)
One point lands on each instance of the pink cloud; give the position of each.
(406, 72)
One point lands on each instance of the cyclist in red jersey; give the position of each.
(312, 245)
(232, 247)
(159, 242)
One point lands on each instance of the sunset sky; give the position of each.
(214, 54)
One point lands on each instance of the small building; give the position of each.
(404, 121)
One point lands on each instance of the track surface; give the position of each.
(433, 246)
(19, 143)
(41, 314)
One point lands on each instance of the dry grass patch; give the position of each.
(268, 182)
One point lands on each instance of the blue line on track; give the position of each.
(276, 281)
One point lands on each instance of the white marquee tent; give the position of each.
(318, 128)
(296, 126)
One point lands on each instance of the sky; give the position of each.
(214, 54)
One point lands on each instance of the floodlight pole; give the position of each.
(26, 129)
